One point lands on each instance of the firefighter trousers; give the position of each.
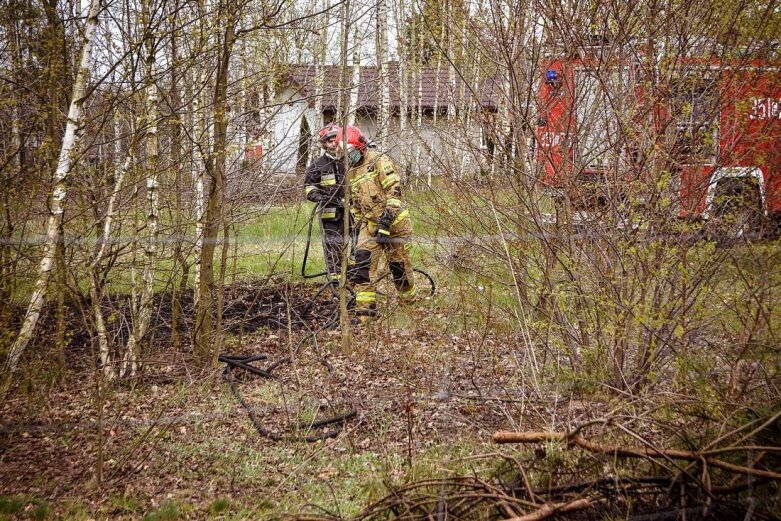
(368, 254)
(333, 243)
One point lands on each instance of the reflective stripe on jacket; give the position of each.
(376, 186)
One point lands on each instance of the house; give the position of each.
(429, 145)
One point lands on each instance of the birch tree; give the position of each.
(201, 132)
(356, 78)
(70, 143)
(228, 13)
(344, 110)
(451, 65)
(146, 293)
(418, 50)
(400, 15)
(383, 121)
(95, 268)
(178, 155)
(319, 55)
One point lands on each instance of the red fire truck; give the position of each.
(711, 127)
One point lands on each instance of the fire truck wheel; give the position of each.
(772, 230)
(737, 207)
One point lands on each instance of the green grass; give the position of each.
(280, 224)
(169, 511)
(31, 508)
(11, 505)
(219, 506)
(275, 242)
(126, 504)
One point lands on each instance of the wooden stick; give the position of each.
(629, 452)
(550, 509)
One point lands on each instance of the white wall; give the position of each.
(286, 128)
(443, 150)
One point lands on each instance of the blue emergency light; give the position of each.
(551, 77)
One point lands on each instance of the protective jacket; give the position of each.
(376, 194)
(376, 187)
(324, 185)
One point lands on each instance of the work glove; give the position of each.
(384, 227)
(332, 202)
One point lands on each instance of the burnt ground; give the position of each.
(248, 306)
(403, 383)
(176, 442)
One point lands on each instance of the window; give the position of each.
(695, 111)
(600, 95)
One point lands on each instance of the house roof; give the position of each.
(303, 76)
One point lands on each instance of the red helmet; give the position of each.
(329, 131)
(355, 138)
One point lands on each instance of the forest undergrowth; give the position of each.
(429, 386)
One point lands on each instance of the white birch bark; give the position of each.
(356, 79)
(197, 174)
(438, 71)
(383, 121)
(419, 106)
(451, 69)
(202, 132)
(403, 58)
(146, 294)
(242, 130)
(437, 82)
(464, 106)
(344, 38)
(64, 165)
(319, 53)
(96, 294)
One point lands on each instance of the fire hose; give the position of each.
(244, 363)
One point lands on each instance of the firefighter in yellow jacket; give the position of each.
(383, 222)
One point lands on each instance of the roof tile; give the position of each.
(368, 89)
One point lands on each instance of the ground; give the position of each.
(428, 392)
(181, 438)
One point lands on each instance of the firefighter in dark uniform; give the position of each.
(324, 186)
(383, 223)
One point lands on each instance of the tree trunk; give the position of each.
(403, 60)
(177, 154)
(59, 191)
(96, 286)
(356, 79)
(146, 296)
(464, 103)
(418, 49)
(204, 314)
(197, 164)
(321, 43)
(226, 230)
(383, 121)
(451, 68)
(344, 41)
(344, 109)
(202, 143)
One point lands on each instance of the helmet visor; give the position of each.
(353, 154)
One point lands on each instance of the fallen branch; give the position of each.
(551, 509)
(629, 452)
(243, 364)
